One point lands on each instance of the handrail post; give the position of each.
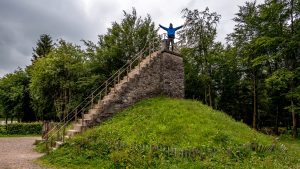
(57, 133)
(153, 50)
(114, 85)
(63, 134)
(82, 117)
(127, 74)
(150, 48)
(46, 125)
(47, 146)
(130, 66)
(92, 100)
(106, 88)
(140, 63)
(76, 115)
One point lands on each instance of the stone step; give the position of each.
(109, 96)
(72, 132)
(123, 81)
(85, 121)
(105, 115)
(79, 127)
(132, 76)
(89, 116)
(93, 110)
(97, 106)
(58, 144)
(104, 102)
(120, 86)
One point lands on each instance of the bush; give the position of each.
(2, 130)
(24, 128)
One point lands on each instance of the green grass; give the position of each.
(170, 133)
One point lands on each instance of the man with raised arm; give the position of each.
(171, 34)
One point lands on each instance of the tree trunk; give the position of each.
(6, 119)
(19, 119)
(209, 95)
(294, 119)
(205, 96)
(254, 123)
(276, 121)
(292, 16)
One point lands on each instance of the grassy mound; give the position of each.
(170, 133)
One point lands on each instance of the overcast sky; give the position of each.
(23, 21)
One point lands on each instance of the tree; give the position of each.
(292, 61)
(61, 77)
(14, 96)
(265, 38)
(200, 33)
(43, 46)
(54, 80)
(245, 31)
(124, 40)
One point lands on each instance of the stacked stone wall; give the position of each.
(163, 75)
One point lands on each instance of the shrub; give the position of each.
(24, 128)
(2, 130)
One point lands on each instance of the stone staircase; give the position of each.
(160, 73)
(97, 114)
(106, 107)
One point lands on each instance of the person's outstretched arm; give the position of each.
(179, 27)
(166, 29)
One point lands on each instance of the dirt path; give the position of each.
(18, 153)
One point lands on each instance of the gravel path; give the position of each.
(18, 153)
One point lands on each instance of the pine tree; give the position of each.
(43, 46)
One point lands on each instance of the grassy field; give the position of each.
(170, 133)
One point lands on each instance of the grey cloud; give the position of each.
(22, 22)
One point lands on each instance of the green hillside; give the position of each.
(171, 133)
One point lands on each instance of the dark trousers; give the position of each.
(170, 41)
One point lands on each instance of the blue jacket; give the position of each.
(171, 31)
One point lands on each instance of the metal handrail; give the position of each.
(116, 76)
